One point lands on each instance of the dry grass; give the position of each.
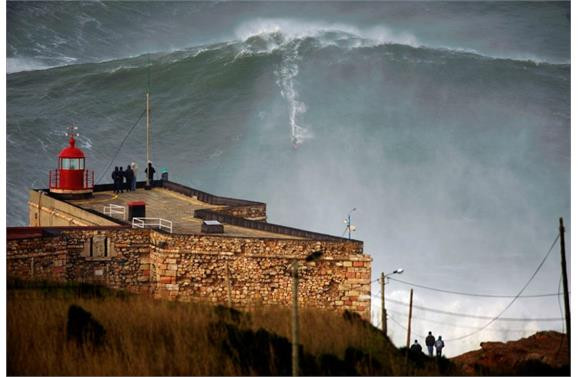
(154, 337)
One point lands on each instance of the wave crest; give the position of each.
(327, 33)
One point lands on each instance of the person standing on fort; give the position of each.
(430, 343)
(150, 171)
(135, 170)
(121, 176)
(439, 344)
(129, 175)
(115, 177)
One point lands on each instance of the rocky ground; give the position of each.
(544, 353)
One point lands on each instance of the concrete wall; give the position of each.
(251, 271)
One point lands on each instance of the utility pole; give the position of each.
(149, 135)
(148, 184)
(408, 332)
(409, 319)
(228, 283)
(295, 324)
(383, 312)
(565, 286)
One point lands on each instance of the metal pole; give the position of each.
(295, 321)
(349, 228)
(408, 331)
(384, 325)
(565, 286)
(409, 320)
(148, 137)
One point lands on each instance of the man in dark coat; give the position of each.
(150, 171)
(121, 177)
(129, 178)
(115, 177)
(430, 343)
(416, 348)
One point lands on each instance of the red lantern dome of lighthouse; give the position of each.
(71, 151)
(71, 179)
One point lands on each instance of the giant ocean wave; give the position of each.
(446, 124)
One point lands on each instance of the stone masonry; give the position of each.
(247, 271)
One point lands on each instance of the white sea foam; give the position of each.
(344, 35)
(18, 64)
(14, 65)
(294, 29)
(286, 73)
(84, 141)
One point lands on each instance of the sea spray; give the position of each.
(286, 73)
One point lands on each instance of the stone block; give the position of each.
(167, 279)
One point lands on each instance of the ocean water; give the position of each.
(445, 124)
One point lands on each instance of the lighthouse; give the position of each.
(71, 179)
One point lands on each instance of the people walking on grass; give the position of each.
(135, 170)
(430, 343)
(129, 175)
(439, 344)
(416, 348)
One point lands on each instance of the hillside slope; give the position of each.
(142, 336)
(544, 353)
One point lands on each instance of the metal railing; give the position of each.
(113, 209)
(54, 179)
(208, 214)
(89, 179)
(153, 222)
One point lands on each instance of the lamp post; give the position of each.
(383, 277)
(295, 317)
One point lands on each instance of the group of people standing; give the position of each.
(431, 344)
(127, 179)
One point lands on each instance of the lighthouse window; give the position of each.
(72, 163)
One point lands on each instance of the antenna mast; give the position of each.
(148, 119)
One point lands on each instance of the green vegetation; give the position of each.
(155, 337)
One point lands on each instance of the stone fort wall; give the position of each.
(244, 271)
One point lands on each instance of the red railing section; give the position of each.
(54, 179)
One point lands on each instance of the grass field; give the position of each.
(155, 337)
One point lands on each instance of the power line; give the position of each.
(405, 329)
(453, 324)
(472, 294)
(514, 299)
(427, 309)
(105, 170)
(470, 315)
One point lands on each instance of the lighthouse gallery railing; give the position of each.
(54, 179)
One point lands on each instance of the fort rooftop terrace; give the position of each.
(186, 208)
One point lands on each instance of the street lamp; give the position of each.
(383, 277)
(295, 320)
(397, 271)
